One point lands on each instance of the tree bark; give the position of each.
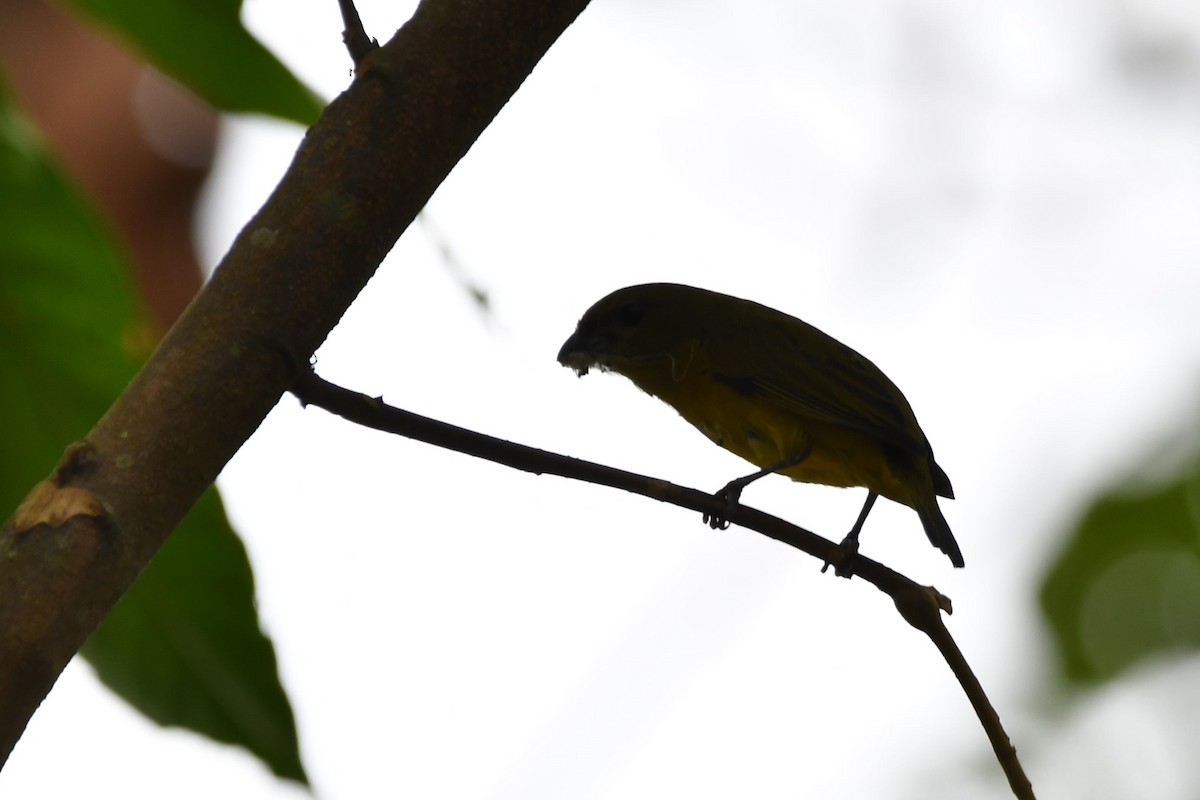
(365, 169)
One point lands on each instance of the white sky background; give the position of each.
(997, 202)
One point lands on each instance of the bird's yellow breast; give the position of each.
(765, 434)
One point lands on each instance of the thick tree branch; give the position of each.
(363, 172)
(920, 606)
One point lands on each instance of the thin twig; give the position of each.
(921, 614)
(372, 412)
(355, 36)
(921, 606)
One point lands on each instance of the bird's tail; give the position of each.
(938, 530)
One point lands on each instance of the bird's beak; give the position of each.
(578, 353)
(582, 350)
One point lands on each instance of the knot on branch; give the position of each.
(922, 606)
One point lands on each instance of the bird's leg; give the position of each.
(849, 545)
(733, 490)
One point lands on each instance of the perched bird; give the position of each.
(772, 389)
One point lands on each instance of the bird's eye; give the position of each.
(631, 314)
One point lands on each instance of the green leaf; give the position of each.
(184, 646)
(203, 45)
(67, 323)
(1127, 585)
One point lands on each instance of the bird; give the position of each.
(771, 389)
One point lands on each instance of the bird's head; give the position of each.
(647, 327)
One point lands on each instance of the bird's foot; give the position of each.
(843, 565)
(730, 495)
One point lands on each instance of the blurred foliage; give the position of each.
(184, 646)
(1127, 585)
(203, 45)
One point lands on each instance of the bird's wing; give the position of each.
(818, 378)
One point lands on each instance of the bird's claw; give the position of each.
(844, 568)
(730, 494)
